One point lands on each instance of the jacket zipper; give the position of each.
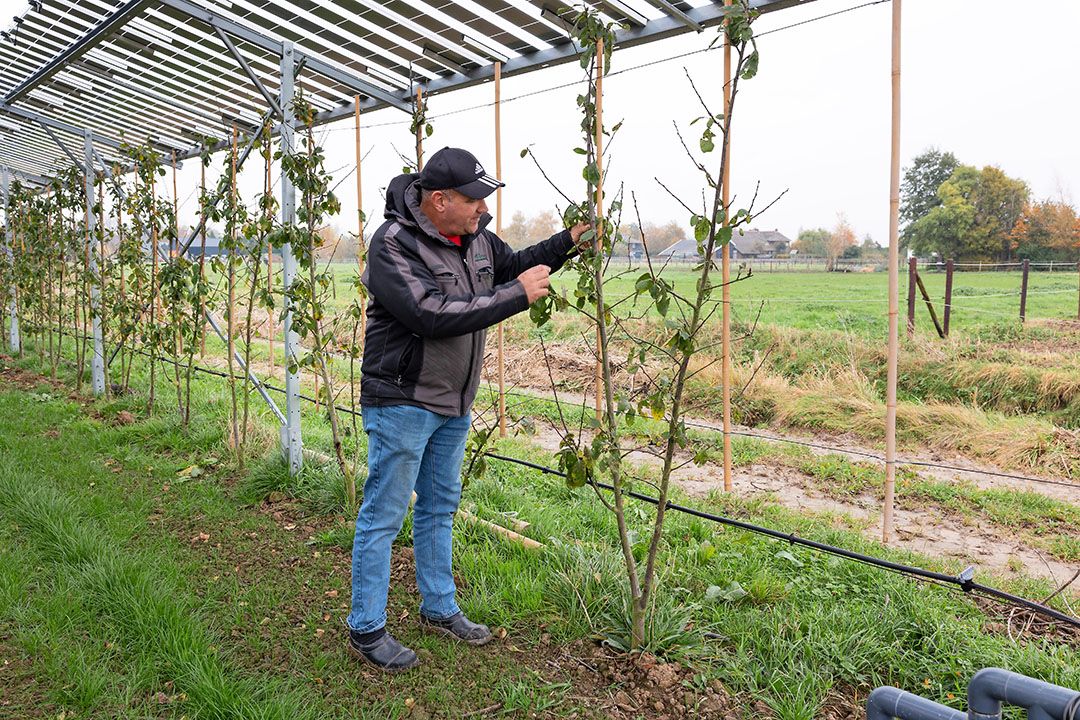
(472, 337)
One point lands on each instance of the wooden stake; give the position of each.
(270, 329)
(498, 231)
(174, 247)
(231, 344)
(419, 133)
(725, 270)
(894, 286)
(202, 260)
(360, 246)
(913, 271)
(948, 295)
(500, 530)
(174, 241)
(101, 271)
(929, 305)
(599, 374)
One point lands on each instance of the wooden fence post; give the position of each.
(913, 265)
(1023, 291)
(948, 295)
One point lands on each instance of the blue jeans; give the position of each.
(409, 448)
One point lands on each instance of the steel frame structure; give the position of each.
(178, 73)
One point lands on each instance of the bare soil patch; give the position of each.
(921, 528)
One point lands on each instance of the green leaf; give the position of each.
(785, 555)
(732, 593)
(750, 69)
(701, 229)
(591, 174)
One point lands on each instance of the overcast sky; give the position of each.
(993, 81)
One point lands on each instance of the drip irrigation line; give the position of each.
(964, 581)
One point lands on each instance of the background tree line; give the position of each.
(964, 213)
(838, 243)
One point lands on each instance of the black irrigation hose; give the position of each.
(963, 581)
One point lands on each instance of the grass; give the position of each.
(140, 590)
(857, 302)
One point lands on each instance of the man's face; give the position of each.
(460, 214)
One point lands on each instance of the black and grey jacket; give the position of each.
(431, 302)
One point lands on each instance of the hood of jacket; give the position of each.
(403, 206)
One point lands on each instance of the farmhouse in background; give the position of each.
(745, 245)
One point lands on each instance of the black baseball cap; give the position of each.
(457, 169)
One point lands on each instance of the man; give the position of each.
(437, 279)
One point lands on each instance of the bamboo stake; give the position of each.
(269, 265)
(725, 276)
(155, 304)
(174, 248)
(175, 239)
(101, 271)
(231, 340)
(474, 520)
(505, 532)
(419, 134)
(202, 259)
(360, 247)
(498, 231)
(894, 286)
(599, 370)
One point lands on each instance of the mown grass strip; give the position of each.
(140, 599)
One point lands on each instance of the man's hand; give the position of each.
(536, 281)
(576, 232)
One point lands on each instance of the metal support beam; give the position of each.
(97, 361)
(248, 71)
(316, 65)
(706, 16)
(30, 177)
(80, 47)
(13, 306)
(59, 143)
(676, 13)
(54, 123)
(220, 192)
(252, 378)
(291, 443)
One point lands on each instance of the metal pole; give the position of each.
(13, 307)
(290, 439)
(97, 361)
(894, 287)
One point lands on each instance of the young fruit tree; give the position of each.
(594, 453)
